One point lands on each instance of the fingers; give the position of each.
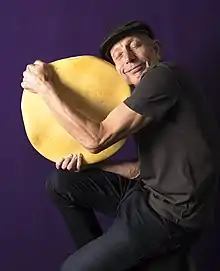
(30, 68)
(71, 162)
(38, 65)
(67, 161)
(59, 163)
(26, 77)
(75, 163)
(39, 62)
(34, 69)
(24, 85)
(79, 162)
(36, 62)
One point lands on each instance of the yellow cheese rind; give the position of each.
(87, 83)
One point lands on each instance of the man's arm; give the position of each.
(95, 137)
(151, 99)
(127, 169)
(155, 94)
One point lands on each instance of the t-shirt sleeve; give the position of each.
(156, 93)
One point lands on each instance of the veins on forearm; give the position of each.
(84, 130)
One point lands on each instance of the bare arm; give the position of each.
(128, 169)
(95, 137)
(75, 162)
(162, 93)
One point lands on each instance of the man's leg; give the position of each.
(76, 194)
(136, 233)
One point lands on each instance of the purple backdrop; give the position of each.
(32, 234)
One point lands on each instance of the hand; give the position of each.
(36, 77)
(72, 162)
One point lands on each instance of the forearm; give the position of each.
(129, 169)
(77, 125)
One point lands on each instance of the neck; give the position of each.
(132, 87)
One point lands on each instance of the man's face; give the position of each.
(133, 55)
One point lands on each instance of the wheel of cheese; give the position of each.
(87, 83)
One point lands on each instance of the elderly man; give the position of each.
(157, 202)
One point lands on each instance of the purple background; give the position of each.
(32, 234)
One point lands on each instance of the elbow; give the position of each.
(99, 143)
(94, 148)
(93, 151)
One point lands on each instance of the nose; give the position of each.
(129, 56)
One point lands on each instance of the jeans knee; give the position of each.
(58, 182)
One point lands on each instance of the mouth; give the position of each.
(137, 68)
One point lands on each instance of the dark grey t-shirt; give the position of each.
(179, 150)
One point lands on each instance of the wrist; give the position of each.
(47, 89)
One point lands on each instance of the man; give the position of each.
(157, 202)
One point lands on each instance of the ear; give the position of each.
(157, 48)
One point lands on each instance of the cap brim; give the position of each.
(119, 34)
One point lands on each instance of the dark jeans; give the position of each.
(137, 232)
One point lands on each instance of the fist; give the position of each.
(36, 77)
(72, 162)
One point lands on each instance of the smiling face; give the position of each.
(133, 55)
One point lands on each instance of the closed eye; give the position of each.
(118, 55)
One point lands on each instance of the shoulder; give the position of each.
(162, 69)
(160, 74)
